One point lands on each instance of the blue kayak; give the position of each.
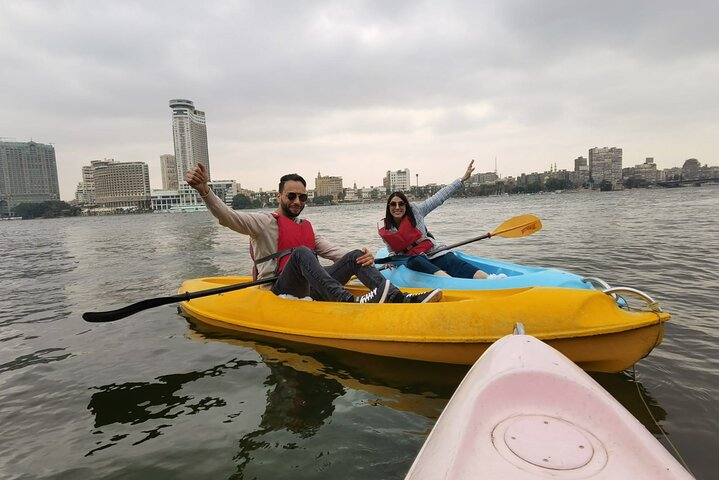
(517, 276)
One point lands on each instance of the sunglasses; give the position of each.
(292, 196)
(396, 204)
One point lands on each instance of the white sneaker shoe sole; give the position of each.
(434, 296)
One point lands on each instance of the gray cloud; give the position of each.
(356, 88)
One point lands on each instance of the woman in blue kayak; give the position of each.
(404, 232)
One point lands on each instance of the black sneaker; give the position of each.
(424, 297)
(376, 295)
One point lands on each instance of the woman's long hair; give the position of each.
(389, 220)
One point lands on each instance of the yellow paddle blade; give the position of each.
(519, 226)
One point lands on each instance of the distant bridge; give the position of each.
(695, 181)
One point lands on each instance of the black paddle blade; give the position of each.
(393, 259)
(112, 315)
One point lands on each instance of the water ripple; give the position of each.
(106, 401)
(35, 358)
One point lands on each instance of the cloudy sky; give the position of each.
(354, 88)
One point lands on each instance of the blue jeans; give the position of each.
(304, 276)
(449, 262)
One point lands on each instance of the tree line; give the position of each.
(242, 201)
(48, 209)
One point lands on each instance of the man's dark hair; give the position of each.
(291, 177)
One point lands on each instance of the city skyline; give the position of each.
(311, 180)
(356, 90)
(392, 180)
(28, 174)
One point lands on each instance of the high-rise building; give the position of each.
(85, 193)
(647, 170)
(328, 185)
(397, 181)
(487, 178)
(579, 162)
(28, 174)
(121, 184)
(168, 169)
(225, 189)
(605, 164)
(690, 169)
(189, 132)
(581, 171)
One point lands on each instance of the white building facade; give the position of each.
(225, 189)
(605, 164)
(121, 185)
(85, 192)
(189, 132)
(397, 181)
(28, 174)
(168, 170)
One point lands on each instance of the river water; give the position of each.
(153, 396)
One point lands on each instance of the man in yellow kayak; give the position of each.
(284, 245)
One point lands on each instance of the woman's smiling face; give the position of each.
(397, 208)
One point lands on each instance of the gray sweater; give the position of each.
(264, 233)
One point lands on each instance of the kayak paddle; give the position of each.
(515, 227)
(112, 315)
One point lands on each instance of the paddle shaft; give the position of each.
(465, 242)
(519, 226)
(112, 315)
(404, 258)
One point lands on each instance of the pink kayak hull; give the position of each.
(525, 411)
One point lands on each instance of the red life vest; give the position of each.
(292, 235)
(407, 240)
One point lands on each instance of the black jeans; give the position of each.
(304, 276)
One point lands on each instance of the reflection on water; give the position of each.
(305, 381)
(421, 388)
(145, 398)
(298, 404)
(635, 398)
(139, 403)
(34, 358)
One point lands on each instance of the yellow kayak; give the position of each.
(585, 325)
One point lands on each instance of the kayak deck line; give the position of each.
(474, 302)
(586, 325)
(517, 276)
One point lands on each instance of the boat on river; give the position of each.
(586, 325)
(512, 275)
(525, 411)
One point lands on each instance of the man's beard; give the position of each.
(288, 212)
